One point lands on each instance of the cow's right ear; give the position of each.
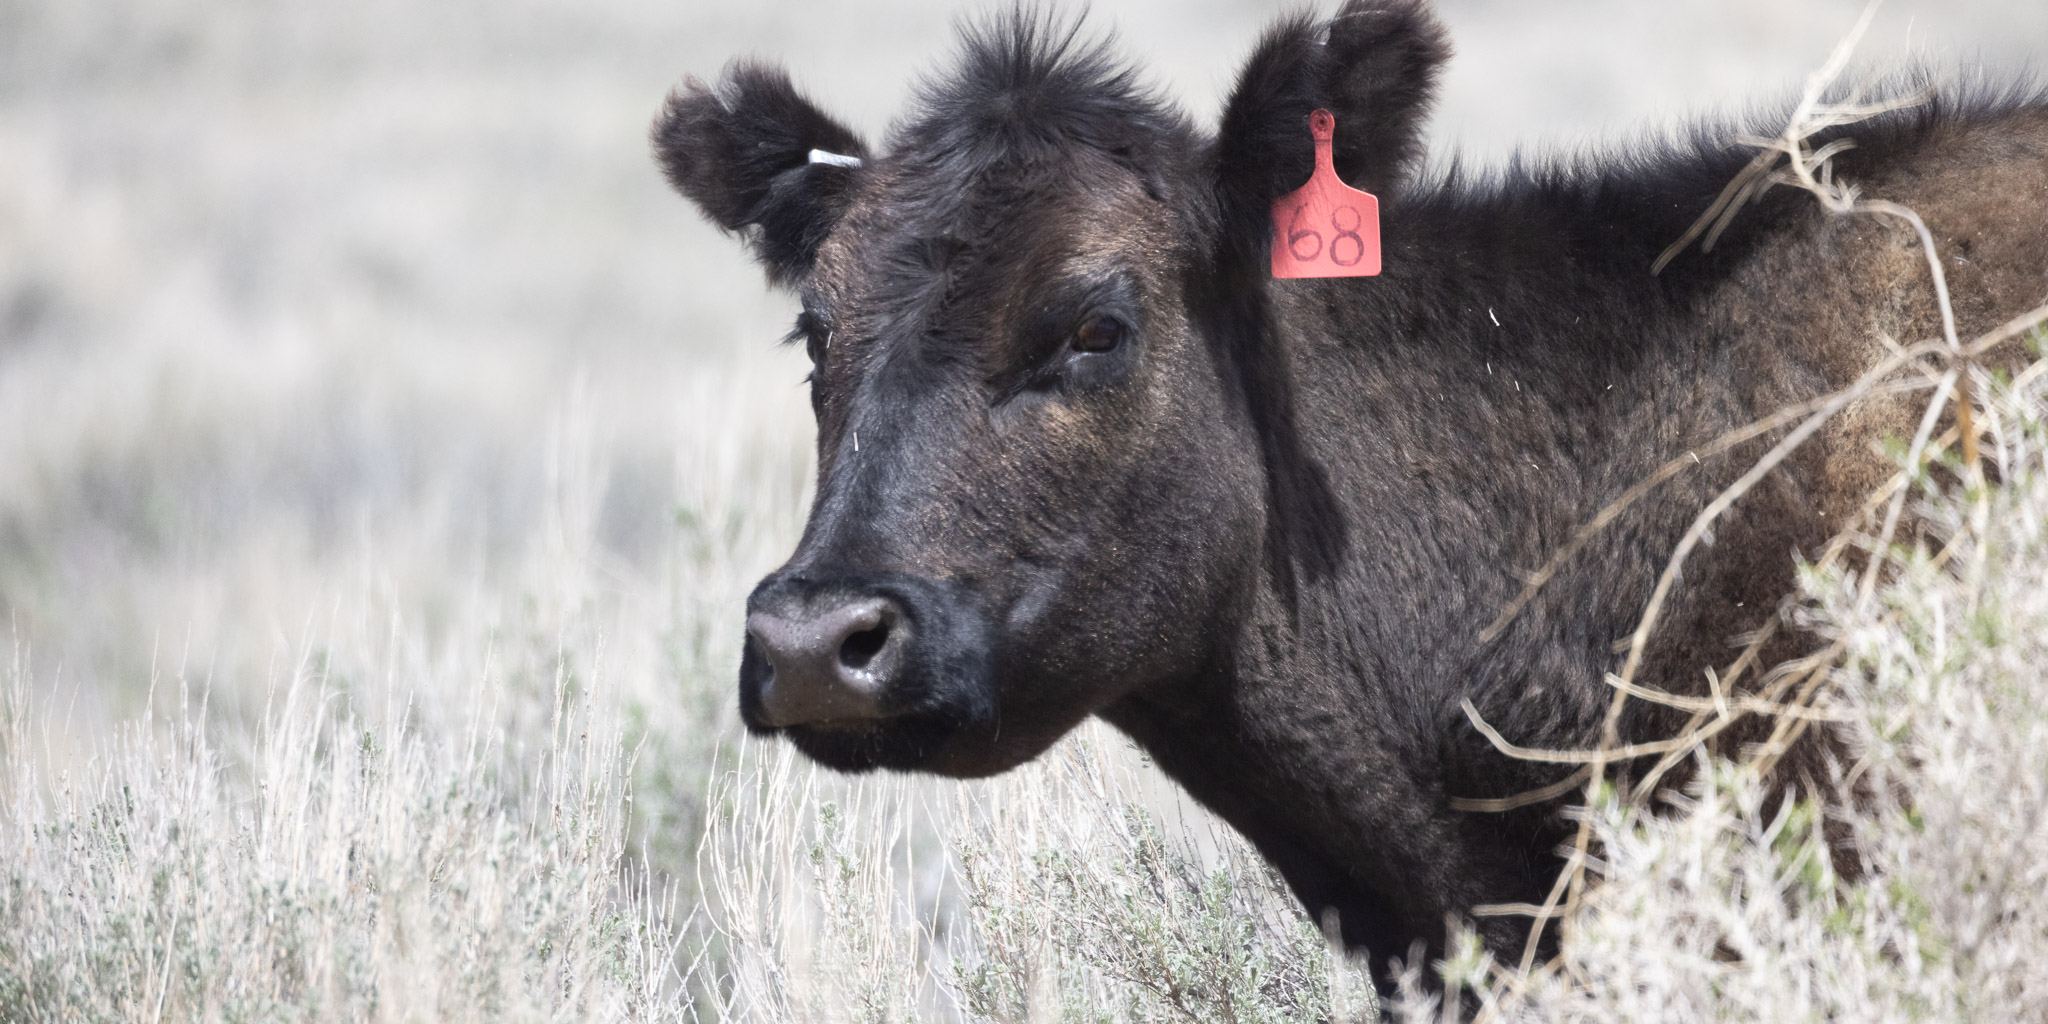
(757, 157)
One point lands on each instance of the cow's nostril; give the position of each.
(831, 665)
(861, 648)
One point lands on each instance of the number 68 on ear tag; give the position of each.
(1326, 228)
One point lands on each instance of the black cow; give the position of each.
(1080, 454)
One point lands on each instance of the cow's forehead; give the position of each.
(918, 238)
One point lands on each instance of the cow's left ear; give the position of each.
(1374, 65)
(756, 156)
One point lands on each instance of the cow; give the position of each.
(1079, 452)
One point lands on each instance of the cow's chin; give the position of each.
(909, 744)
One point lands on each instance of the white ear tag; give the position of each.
(819, 156)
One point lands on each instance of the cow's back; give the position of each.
(1811, 308)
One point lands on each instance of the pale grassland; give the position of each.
(1062, 891)
(426, 813)
(384, 455)
(345, 872)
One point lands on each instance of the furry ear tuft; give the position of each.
(1374, 65)
(742, 153)
(1379, 72)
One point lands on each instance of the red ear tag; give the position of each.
(1326, 228)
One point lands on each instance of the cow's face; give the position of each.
(1030, 499)
(1055, 451)
(1033, 496)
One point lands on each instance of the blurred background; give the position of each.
(370, 328)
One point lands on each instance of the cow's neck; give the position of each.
(1427, 435)
(1432, 435)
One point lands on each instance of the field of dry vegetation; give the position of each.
(384, 457)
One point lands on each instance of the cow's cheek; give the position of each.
(1054, 547)
(1097, 606)
(1200, 482)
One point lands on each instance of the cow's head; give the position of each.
(1053, 442)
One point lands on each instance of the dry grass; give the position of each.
(337, 870)
(1061, 891)
(440, 806)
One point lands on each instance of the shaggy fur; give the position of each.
(1262, 534)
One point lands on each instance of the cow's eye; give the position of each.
(817, 336)
(1099, 334)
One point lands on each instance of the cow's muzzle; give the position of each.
(865, 670)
